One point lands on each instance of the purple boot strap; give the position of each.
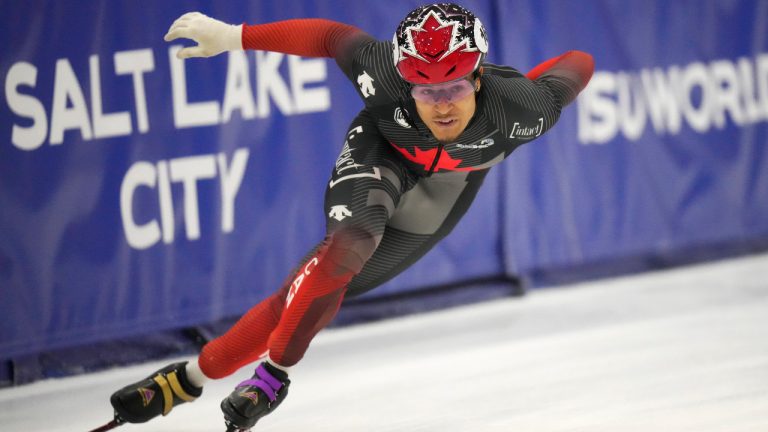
(265, 381)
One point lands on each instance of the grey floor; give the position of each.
(680, 350)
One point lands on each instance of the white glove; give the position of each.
(212, 36)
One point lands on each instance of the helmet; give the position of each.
(438, 43)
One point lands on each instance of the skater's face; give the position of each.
(447, 108)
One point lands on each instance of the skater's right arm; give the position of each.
(310, 37)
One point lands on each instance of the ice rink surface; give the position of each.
(678, 350)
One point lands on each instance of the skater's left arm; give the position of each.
(532, 103)
(565, 76)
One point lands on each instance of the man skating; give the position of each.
(436, 119)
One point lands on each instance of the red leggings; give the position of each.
(285, 322)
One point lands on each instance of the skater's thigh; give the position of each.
(367, 181)
(425, 215)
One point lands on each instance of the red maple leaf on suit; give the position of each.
(427, 157)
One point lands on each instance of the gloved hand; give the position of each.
(212, 36)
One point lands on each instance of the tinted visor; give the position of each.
(450, 91)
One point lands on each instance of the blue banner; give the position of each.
(666, 152)
(139, 192)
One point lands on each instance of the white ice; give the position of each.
(678, 350)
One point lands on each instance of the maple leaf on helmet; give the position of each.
(439, 43)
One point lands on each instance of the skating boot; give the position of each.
(157, 394)
(255, 398)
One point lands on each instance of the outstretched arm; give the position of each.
(566, 75)
(311, 37)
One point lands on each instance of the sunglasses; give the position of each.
(449, 92)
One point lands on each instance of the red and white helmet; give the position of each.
(438, 43)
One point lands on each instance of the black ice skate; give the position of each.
(255, 398)
(157, 394)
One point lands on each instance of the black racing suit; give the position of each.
(404, 186)
(395, 191)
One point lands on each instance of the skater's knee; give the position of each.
(350, 247)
